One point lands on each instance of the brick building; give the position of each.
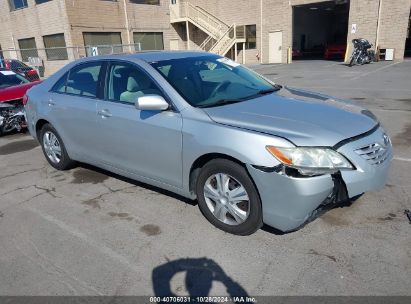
(249, 31)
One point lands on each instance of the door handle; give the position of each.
(104, 113)
(51, 103)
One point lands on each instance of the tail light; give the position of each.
(7, 64)
(25, 99)
(32, 75)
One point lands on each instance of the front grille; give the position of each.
(374, 153)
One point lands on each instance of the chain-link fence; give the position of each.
(49, 60)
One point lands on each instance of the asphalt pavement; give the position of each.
(89, 232)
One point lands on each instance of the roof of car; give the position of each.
(152, 56)
(167, 55)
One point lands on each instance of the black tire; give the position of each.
(254, 221)
(65, 161)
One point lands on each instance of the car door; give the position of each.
(145, 143)
(72, 108)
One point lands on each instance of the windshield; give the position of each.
(210, 81)
(9, 78)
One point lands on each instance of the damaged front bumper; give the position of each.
(289, 202)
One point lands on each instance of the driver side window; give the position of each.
(126, 83)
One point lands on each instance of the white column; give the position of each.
(243, 52)
(261, 31)
(127, 25)
(188, 35)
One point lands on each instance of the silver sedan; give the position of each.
(200, 125)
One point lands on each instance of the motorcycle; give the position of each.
(12, 117)
(362, 53)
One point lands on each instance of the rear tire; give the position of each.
(54, 149)
(235, 205)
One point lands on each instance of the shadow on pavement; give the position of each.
(199, 276)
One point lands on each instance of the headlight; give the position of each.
(311, 161)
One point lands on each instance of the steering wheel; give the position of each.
(220, 87)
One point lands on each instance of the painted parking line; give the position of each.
(258, 67)
(345, 88)
(87, 240)
(376, 70)
(333, 64)
(403, 159)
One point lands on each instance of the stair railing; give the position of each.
(226, 40)
(205, 19)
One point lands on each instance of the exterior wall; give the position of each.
(277, 16)
(94, 16)
(74, 17)
(34, 21)
(152, 18)
(240, 12)
(393, 25)
(363, 13)
(107, 16)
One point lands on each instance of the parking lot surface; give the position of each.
(89, 232)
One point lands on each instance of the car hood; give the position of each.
(302, 117)
(16, 92)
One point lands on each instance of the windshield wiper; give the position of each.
(227, 101)
(220, 102)
(275, 88)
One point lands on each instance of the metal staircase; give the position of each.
(221, 36)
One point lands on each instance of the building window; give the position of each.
(150, 2)
(149, 41)
(55, 47)
(42, 1)
(27, 49)
(106, 42)
(250, 37)
(17, 4)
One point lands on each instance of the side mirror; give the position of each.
(151, 103)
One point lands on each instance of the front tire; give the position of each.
(228, 198)
(351, 61)
(54, 149)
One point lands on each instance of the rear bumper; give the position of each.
(288, 202)
(32, 130)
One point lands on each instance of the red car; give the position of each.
(13, 88)
(297, 54)
(335, 51)
(20, 68)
